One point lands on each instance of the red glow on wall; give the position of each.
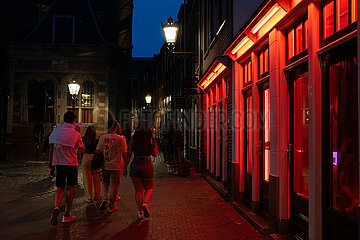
(216, 69)
(239, 47)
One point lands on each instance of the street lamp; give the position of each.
(148, 99)
(74, 91)
(170, 31)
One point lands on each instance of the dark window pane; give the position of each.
(31, 92)
(63, 30)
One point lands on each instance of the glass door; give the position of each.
(298, 157)
(248, 149)
(264, 148)
(214, 140)
(341, 150)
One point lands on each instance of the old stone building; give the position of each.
(58, 42)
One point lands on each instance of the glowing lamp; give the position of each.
(148, 99)
(74, 88)
(170, 31)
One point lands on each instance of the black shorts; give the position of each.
(66, 175)
(142, 167)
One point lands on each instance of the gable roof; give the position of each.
(86, 29)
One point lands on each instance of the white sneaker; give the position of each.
(68, 219)
(140, 215)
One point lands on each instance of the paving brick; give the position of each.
(181, 208)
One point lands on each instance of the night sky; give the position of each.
(147, 33)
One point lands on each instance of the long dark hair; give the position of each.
(90, 135)
(143, 140)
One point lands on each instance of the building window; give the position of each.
(247, 72)
(63, 29)
(87, 94)
(344, 153)
(338, 14)
(264, 62)
(297, 39)
(40, 101)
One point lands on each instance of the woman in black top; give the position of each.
(141, 168)
(92, 185)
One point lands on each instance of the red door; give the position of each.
(298, 150)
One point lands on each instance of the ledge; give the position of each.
(258, 222)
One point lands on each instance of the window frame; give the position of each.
(262, 51)
(352, 26)
(304, 52)
(245, 64)
(54, 28)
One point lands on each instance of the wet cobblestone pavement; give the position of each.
(181, 208)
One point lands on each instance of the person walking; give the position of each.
(114, 148)
(64, 141)
(92, 184)
(141, 168)
(46, 149)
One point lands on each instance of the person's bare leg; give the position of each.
(69, 199)
(148, 185)
(59, 195)
(139, 191)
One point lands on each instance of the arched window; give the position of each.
(40, 101)
(87, 102)
(87, 94)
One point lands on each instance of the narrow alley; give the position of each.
(181, 208)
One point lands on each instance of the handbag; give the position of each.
(97, 161)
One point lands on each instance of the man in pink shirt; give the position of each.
(114, 148)
(64, 141)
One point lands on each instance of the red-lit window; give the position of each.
(344, 138)
(247, 71)
(264, 61)
(338, 14)
(297, 39)
(248, 136)
(266, 104)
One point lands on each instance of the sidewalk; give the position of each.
(181, 208)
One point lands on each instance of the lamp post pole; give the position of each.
(73, 103)
(74, 91)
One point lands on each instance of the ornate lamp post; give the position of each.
(170, 31)
(74, 91)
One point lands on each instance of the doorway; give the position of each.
(264, 148)
(340, 145)
(248, 148)
(298, 153)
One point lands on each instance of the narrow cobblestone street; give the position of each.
(181, 208)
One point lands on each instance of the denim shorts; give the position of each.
(142, 167)
(66, 175)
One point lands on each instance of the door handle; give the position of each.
(289, 152)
